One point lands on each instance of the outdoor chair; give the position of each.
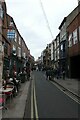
(2, 101)
(9, 93)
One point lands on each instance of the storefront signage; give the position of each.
(11, 34)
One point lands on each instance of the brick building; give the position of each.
(73, 30)
(5, 41)
(1, 43)
(19, 49)
(63, 45)
(15, 50)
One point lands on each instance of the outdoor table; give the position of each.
(5, 91)
(2, 90)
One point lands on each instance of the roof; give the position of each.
(62, 22)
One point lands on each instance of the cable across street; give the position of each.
(46, 19)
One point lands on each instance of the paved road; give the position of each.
(48, 101)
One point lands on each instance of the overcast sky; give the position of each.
(31, 23)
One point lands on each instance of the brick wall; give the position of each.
(75, 49)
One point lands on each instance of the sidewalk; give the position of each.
(73, 85)
(17, 106)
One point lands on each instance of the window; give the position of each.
(70, 40)
(11, 24)
(19, 40)
(5, 48)
(14, 48)
(1, 12)
(58, 53)
(57, 41)
(15, 37)
(24, 54)
(54, 44)
(62, 47)
(19, 52)
(75, 40)
(55, 55)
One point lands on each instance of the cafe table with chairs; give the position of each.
(4, 93)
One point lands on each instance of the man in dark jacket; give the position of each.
(28, 70)
(49, 74)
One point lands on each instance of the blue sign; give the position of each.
(11, 34)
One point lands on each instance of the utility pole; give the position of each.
(1, 45)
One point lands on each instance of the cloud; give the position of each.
(30, 20)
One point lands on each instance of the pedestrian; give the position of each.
(47, 74)
(28, 70)
(63, 75)
(52, 74)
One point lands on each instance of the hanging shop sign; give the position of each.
(11, 34)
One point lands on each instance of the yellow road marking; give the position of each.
(35, 104)
(32, 115)
(33, 95)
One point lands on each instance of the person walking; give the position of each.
(47, 73)
(63, 75)
(28, 70)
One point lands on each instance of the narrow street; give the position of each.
(47, 101)
(36, 42)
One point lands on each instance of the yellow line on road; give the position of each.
(35, 104)
(32, 114)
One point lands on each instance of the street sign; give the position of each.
(11, 34)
